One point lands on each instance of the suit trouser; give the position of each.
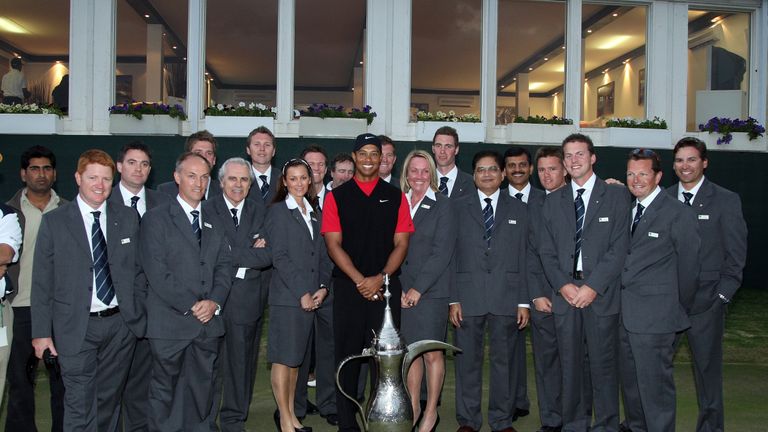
(705, 337)
(521, 368)
(238, 371)
(601, 333)
(22, 371)
(94, 378)
(181, 392)
(647, 380)
(546, 361)
(325, 366)
(353, 319)
(135, 399)
(503, 346)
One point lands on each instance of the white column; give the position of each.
(154, 89)
(488, 67)
(522, 95)
(378, 65)
(286, 29)
(574, 74)
(401, 71)
(103, 80)
(80, 116)
(758, 71)
(195, 65)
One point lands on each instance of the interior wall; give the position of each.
(625, 79)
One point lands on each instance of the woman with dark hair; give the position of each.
(426, 277)
(298, 286)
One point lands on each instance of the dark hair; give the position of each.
(188, 155)
(692, 142)
(313, 148)
(577, 137)
(447, 130)
(16, 63)
(258, 130)
(647, 154)
(488, 153)
(341, 157)
(134, 145)
(549, 151)
(386, 140)
(202, 135)
(282, 190)
(517, 151)
(37, 151)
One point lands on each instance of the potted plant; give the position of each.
(30, 119)
(723, 133)
(238, 120)
(146, 118)
(334, 120)
(539, 129)
(468, 126)
(623, 132)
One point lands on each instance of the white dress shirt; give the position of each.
(141, 204)
(645, 203)
(10, 234)
(291, 203)
(694, 190)
(87, 215)
(430, 194)
(526, 192)
(452, 174)
(259, 181)
(188, 209)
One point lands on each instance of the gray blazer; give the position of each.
(660, 272)
(181, 272)
(427, 267)
(301, 263)
(605, 240)
(245, 299)
(154, 198)
(464, 185)
(723, 243)
(62, 275)
(538, 286)
(491, 280)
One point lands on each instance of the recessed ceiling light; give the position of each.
(563, 46)
(502, 86)
(589, 31)
(514, 79)
(717, 19)
(146, 15)
(207, 73)
(530, 68)
(185, 58)
(174, 47)
(615, 14)
(11, 26)
(353, 89)
(58, 61)
(361, 62)
(546, 58)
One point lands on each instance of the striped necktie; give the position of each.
(196, 225)
(488, 218)
(264, 187)
(105, 290)
(638, 215)
(443, 188)
(579, 206)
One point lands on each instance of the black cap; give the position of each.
(365, 139)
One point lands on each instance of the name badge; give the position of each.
(125, 241)
(313, 219)
(703, 217)
(513, 222)
(425, 206)
(603, 219)
(653, 234)
(207, 225)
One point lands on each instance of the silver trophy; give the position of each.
(389, 407)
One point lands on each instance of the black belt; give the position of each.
(106, 312)
(578, 275)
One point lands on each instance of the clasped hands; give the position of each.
(310, 302)
(370, 287)
(578, 297)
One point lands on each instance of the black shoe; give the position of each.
(624, 428)
(312, 408)
(519, 412)
(550, 429)
(332, 419)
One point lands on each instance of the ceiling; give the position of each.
(241, 47)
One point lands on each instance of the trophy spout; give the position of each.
(367, 353)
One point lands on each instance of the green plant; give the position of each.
(241, 110)
(555, 120)
(337, 111)
(726, 126)
(450, 116)
(138, 109)
(655, 123)
(30, 109)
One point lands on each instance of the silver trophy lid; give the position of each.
(388, 338)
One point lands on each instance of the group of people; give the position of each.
(148, 306)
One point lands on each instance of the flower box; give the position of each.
(537, 133)
(30, 124)
(739, 142)
(468, 132)
(638, 138)
(150, 124)
(332, 127)
(236, 126)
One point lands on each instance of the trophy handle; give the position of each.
(367, 353)
(418, 348)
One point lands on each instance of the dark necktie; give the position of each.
(578, 204)
(264, 187)
(488, 218)
(638, 215)
(234, 216)
(443, 185)
(196, 224)
(105, 290)
(687, 196)
(519, 196)
(135, 204)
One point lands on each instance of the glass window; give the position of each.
(446, 56)
(718, 66)
(531, 50)
(26, 34)
(241, 51)
(614, 63)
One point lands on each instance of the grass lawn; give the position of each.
(745, 372)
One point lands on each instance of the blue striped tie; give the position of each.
(264, 187)
(488, 218)
(638, 215)
(196, 224)
(443, 188)
(579, 205)
(105, 290)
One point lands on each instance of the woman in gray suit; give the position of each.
(426, 277)
(298, 286)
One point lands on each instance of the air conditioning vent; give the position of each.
(455, 102)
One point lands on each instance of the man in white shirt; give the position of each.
(10, 243)
(14, 84)
(260, 146)
(388, 159)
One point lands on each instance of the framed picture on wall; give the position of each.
(641, 87)
(605, 97)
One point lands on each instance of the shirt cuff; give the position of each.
(524, 305)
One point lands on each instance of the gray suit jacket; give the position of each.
(62, 275)
(427, 267)
(301, 262)
(464, 185)
(723, 243)
(181, 272)
(154, 198)
(246, 297)
(605, 239)
(538, 286)
(491, 280)
(172, 189)
(660, 272)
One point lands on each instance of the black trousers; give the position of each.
(22, 371)
(354, 317)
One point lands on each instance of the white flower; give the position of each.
(241, 104)
(274, 110)
(251, 105)
(296, 113)
(261, 106)
(451, 113)
(220, 107)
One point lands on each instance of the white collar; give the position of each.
(526, 192)
(126, 194)
(588, 186)
(86, 210)
(231, 206)
(649, 199)
(291, 203)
